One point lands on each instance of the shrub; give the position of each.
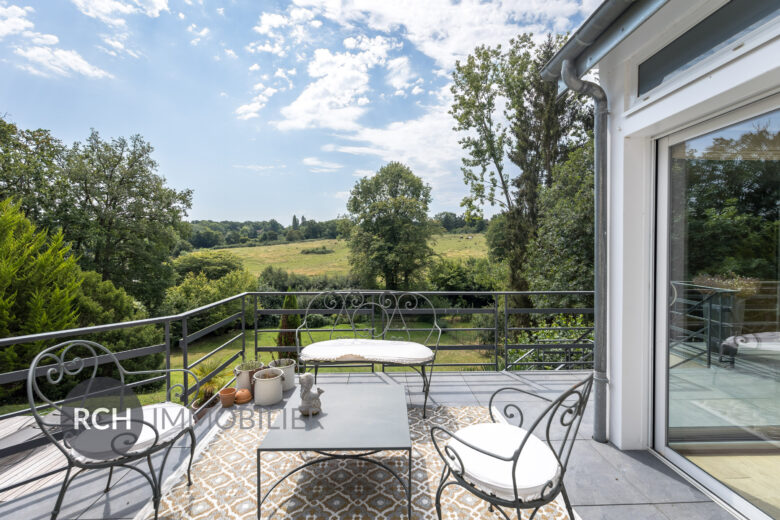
(213, 264)
(322, 250)
(288, 321)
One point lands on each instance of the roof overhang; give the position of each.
(610, 24)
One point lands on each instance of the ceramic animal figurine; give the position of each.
(310, 397)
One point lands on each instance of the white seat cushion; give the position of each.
(758, 341)
(371, 350)
(537, 464)
(169, 419)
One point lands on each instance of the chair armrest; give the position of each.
(168, 371)
(452, 454)
(512, 409)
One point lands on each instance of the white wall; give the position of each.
(731, 78)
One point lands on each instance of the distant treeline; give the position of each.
(227, 233)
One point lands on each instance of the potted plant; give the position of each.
(208, 388)
(268, 386)
(287, 366)
(244, 373)
(227, 396)
(737, 289)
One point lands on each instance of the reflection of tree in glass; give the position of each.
(731, 193)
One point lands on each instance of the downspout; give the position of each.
(600, 294)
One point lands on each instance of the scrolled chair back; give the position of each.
(75, 374)
(370, 315)
(557, 425)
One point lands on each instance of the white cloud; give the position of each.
(223, 94)
(113, 12)
(230, 53)
(221, 11)
(41, 39)
(417, 90)
(13, 20)
(363, 173)
(257, 47)
(252, 109)
(319, 166)
(399, 74)
(198, 34)
(270, 21)
(254, 67)
(447, 30)
(336, 99)
(47, 61)
(181, 16)
(341, 195)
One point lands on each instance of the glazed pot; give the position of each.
(244, 377)
(287, 366)
(227, 397)
(268, 386)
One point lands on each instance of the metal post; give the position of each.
(243, 328)
(168, 360)
(495, 329)
(600, 194)
(184, 362)
(254, 314)
(506, 331)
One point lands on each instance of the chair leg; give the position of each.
(444, 475)
(110, 474)
(316, 370)
(155, 487)
(569, 509)
(58, 504)
(192, 456)
(533, 514)
(426, 389)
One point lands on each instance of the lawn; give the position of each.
(208, 343)
(289, 257)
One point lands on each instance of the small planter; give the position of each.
(227, 397)
(268, 386)
(287, 366)
(243, 396)
(245, 372)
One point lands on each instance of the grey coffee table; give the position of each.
(354, 418)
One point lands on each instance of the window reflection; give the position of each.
(724, 307)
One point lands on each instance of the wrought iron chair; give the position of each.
(508, 466)
(379, 332)
(147, 433)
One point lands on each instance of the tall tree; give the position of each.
(295, 223)
(506, 111)
(391, 231)
(122, 218)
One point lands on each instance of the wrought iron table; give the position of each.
(353, 419)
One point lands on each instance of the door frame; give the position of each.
(661, 295)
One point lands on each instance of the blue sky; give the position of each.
(264, 108)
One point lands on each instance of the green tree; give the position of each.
(560, 257)
(288, 323)
(295, 223)
(121, 217)
(214, 264)
(391, 230)
(39, 282)
(492, 86)
(498, 238)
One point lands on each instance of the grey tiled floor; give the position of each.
(603, 482)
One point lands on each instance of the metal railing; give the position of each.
(511, 338)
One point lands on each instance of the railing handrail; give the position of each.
(94, 329)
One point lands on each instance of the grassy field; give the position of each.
(289, 257)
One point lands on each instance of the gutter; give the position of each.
(572, 81)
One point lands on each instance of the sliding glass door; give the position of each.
(718, 306)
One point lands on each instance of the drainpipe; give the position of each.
(600, 294)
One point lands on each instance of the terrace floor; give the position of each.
(603, 482)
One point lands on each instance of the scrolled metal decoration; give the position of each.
(566, 410)
(54, 365)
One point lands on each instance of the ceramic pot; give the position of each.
(287, 366)
(227, 397)
(244, 378)
(268, 386)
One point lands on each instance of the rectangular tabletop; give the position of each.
(353, 417)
